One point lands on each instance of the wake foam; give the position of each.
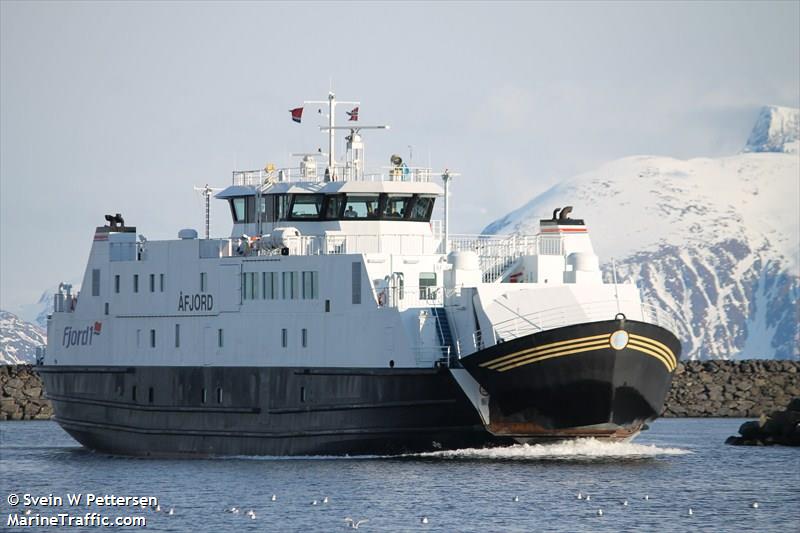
(579, 449)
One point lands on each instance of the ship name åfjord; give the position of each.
(195, 302)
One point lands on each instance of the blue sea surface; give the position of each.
(679, 464)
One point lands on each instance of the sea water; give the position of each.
(676, 465)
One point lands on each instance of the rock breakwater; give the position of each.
(22, 394)
(740, 389)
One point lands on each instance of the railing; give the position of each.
(496, 253)
(256, 178)
(556, 317)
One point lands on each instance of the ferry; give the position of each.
(338, 317)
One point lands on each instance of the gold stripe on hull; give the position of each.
(539, 349)
(658, 347)
(590, 348)
(644, 345)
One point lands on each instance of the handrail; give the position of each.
(592, 311)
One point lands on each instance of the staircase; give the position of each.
(445, 337)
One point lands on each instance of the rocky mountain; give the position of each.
(714, 240)
(19, 339)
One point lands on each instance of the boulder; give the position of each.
(779, 427)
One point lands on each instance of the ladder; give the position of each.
(446, 341)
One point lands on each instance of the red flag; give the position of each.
(98, 326)
(353, 114)
(297, 114)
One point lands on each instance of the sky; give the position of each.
(112, 107)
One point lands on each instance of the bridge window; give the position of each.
(238, 209)
(361, 207)
(334, 206)
(250, 290)
(396, 206)
(306, 206)
(422, 209)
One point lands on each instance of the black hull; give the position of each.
(263, 411)
(570, 381)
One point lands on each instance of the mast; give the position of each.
(331, 128)
(447, 177)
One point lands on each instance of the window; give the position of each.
(203, 396)
(396, 207)
(327, 306)
(302, 394)
(177, 335)
(304, 338)
(133, 393)
(136, 283)
(306, 206)
(220, 338)
(284, 338)
(289, 285)
(427, 285)
(219, 394)
(152, 338)
(138, 338)
(95, 282)
(333, 209)
(150, 395)
(423, 207)
(269, 285)
(116, 283)
(203, 281)
(356, 279)
(250, 289)
(106, 308)
(361, 207)
(310, 285)
(282, 206)
(238, 209)
(161, 282)
(152, 283)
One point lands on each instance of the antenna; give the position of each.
(206, 192)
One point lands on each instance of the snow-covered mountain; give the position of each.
(716, 241)
(18, 339)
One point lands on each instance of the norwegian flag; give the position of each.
(353, 114)
(297, 114)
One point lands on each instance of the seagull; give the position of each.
(588, 497)
(599, 512)
(353, 523)
(516, 498)
(158, 508)
(27, 511)
(274, 498)
(424, 520)
(325, 499)
(754, 505)
(625, 503)
(646, 497)
(232, 510)
(314, 502)
(251, 514)
(690, 513)
(580, 496)
(171, 511)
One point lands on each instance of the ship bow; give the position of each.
(601, 379)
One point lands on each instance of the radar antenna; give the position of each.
(206, 192)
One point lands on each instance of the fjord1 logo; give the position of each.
(80, 337)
